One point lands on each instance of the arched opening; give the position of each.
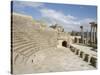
(64, 44)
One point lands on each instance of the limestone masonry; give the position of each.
(45, 49)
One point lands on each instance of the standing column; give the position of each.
(87, 36)
(91, 35)
(82, 34)
(83, 37)
(94, 35)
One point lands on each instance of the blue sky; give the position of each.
(67, 15)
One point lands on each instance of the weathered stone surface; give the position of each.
(40, 50)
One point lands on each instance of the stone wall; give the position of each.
(28, 39)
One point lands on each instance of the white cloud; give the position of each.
(71, 17)
(69, 22)
(56, 15)
(85, 22)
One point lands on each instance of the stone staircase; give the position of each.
(25, 45)
(27, 40)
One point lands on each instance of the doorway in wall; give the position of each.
(64, 44)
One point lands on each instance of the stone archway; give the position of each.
(64, 44)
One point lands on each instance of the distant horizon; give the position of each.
(69, 16)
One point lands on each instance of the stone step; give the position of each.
(21, 46)
(25, 54)
(28, 48)
(20, 43)
(32, 52)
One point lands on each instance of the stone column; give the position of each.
(87, 37)
(83, 37)
(82, 34)
(94, 34)
(91, 35)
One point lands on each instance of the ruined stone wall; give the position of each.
(28, 39)
(23, 24)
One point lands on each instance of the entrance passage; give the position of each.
(64, 44)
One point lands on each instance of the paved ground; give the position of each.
(86, 49)
(60, 59)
